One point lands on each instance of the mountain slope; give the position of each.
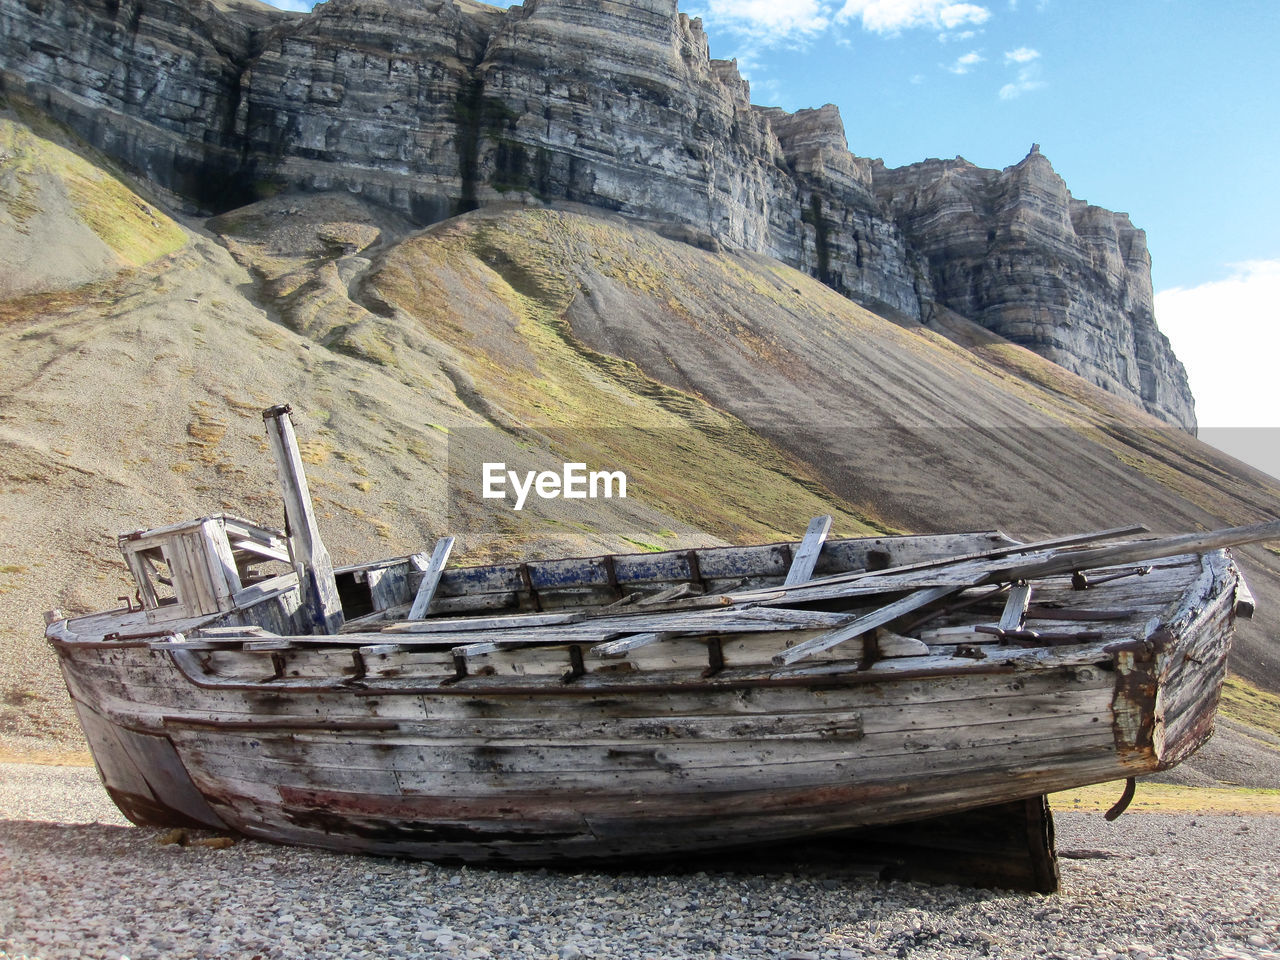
(741, 396)
(438, 108)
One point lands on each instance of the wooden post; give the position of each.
(806, 557)
(431, 578)
(310, 558)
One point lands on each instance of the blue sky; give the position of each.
(1168, 110)
(1165, 109)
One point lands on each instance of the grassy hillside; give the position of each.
(65, 216)
(740, 397)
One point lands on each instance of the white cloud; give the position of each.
(1227, 334)
(1028, 80)
(1027, 60)
(770, 21)
(966, 63)
(892, 16)
(1024, 84)
(956, 14)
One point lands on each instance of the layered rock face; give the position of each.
(154, 83)
(370, 96)
(1015, 252)
(434, 107)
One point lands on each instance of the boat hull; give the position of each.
(614, 766)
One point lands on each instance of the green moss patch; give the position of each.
(38, 157)
(681, 454)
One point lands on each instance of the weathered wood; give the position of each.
(310, 558)
(275, 643)
(225, 577)
(715, 567)
(262, 542)
(431, 578)
(806, 557)
(1042, 612)
(1136, 552)
(678, 605)
(678, 592)
(266, 590)
(384, 649)
(491, 738)
(890, 644)
(980, 559)
(618, 648)
(879, 618)
(474, 604)
(1015, 608)
(388, 586)
(212, 633)
(185, 644)
(515, 622)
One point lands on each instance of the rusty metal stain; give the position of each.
(1134, 705)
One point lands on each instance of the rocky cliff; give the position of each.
(435, 107)
(1015, 252)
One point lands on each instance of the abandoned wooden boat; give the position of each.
(637, 705)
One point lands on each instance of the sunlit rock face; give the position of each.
(435, 107)
(1015, 252)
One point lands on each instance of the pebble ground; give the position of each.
(77, 881)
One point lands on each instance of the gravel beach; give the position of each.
(77, 881)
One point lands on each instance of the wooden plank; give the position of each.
(806, 557)
(221, 563)
(191, 582)
(260, 550)
(235, 633)
(1136, 552)
(742, 649)
(263, 538)
(679, 592)
(141, 575)
(665, 606)
(514, 622)
(279, 643)
(620, 648)
(431, 578)
(808, 618)
(754, 619)
(1015, 607)
(471, 604)
(860, 626)
(889, 644)
(981, 556)
(190, 645)
(1043, 612)
(562, 629)
(256, 593)
(384, 649)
